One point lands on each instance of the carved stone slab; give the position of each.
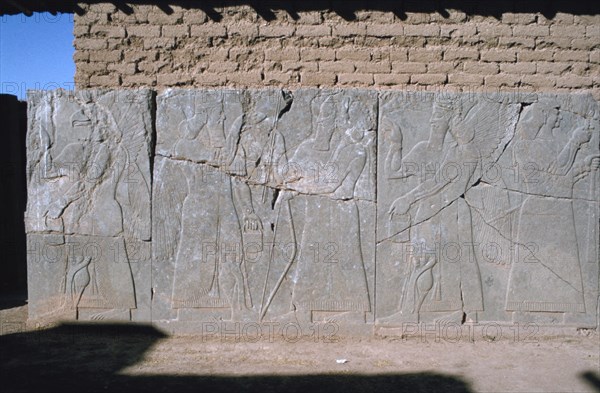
(487, 209)
(264, 206)
(314, 212)
(88, 211)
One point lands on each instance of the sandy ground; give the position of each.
(83, 357)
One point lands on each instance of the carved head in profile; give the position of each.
(214, 113)
(215, 119)
(359, 121)
(262, 117)
(110, 129)
(392, 129)
(92, 123)
(326, 123)
(82, 124)
(441, 118)
(551, 110)
(537, 117)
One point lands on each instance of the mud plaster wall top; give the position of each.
(460, 45)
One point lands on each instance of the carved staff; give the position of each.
(264, 199)
(265, 306)
(272, 146)
(592, 219)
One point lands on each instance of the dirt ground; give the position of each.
(80, 357)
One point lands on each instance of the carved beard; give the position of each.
(216, 135)
(355, 134)
(323, 136)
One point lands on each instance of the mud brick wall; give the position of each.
(425, 50)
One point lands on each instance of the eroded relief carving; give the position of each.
(206, 234)
(352, 208)
(89, 199)
(562, 158)
(331, 276)
(477, 221)
(275, 183)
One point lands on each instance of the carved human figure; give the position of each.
(209, 270)
(393, 159)
(330, 273)
(263, 161)
(203, 138)
(434, 223)
(547, 252)
(262, 144)
(85, 208)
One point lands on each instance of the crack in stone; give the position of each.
(518, 244)
(321, 216)
(249, 182)
(521, 192)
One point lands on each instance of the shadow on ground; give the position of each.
(12, 300)
(593, 379)
(89, 357)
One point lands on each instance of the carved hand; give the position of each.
(55, 210)
(400, 206)
(292, 177)
(581, 135)
(252, 222)
(592, 162)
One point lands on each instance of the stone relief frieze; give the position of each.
(262, 221)
(363, 209)
(88, 209)
(475, 208)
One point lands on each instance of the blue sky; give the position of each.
(36, 52)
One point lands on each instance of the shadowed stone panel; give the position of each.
(88, 209)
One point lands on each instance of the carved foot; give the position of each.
(397, 319)
(242, 314)
(286, 318)
(471, 317)
(350, 317)
(456, 317)
(63, 312)
(112, 315)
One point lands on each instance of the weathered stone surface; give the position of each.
(314, 211)
(487, 209)
(88, 209)
(265, 205)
